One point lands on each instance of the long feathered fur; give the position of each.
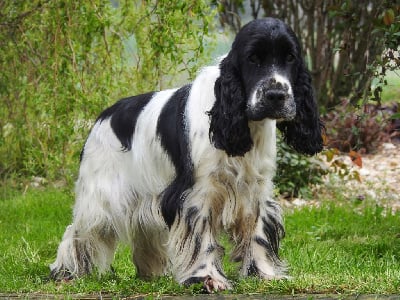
(166, 171)
(304, 133)
(229, 128)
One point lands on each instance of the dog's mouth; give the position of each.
(275, 112)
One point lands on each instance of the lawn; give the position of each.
(346, 247)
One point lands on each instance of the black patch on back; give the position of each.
(171, 129)
(124, 115)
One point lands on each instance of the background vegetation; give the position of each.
(62, 62)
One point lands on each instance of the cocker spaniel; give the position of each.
(167, 171)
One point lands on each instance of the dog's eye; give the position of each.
(254, 59)
(290, 58)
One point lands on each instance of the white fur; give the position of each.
(118, 198)
(284, 81)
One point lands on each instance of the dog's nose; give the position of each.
(274, 90)
(275, 95)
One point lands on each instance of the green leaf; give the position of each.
(395, 116)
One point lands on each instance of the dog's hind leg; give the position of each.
(149, 252)
(83, 249)
(90, 241)
(105, 199)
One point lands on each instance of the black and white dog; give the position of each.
(167, 171)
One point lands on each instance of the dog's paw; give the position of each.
(212, 285)
(61, 275)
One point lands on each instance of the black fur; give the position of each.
(229, 130)
(197, 248)
(194, 280)
(304, 133)
(172, 132)
(191, 219)
(273, 231)
(260, 49)
(124, 115)
(252, 269)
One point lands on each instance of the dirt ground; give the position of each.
(382, 172)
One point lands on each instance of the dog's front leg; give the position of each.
(260, 257)
(193, 249)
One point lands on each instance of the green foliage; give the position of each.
(388, 26)
(173, 41)
(296, 172)
(64, 61)
(346, 248)
(391, 93)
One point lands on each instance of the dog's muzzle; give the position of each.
(273, 91)
(272, 99)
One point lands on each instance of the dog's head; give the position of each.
(264, 76)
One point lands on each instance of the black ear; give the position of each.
(229, 130)
(304, 132)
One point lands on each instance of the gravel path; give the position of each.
(381, 174)
(379, 179)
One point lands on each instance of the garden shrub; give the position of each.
(361, 129)
(296, 172)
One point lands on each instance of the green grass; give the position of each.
(343, 248)
(391, 92)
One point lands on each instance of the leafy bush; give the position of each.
(361, 129)
(64, 61)
(296, 172)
